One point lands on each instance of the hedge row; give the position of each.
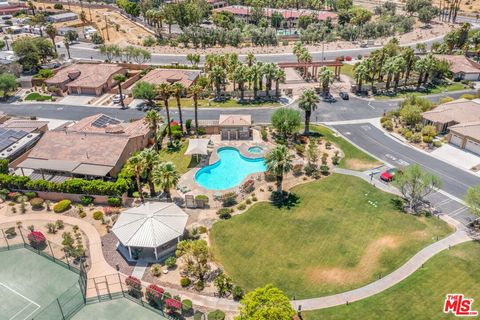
(77, 186)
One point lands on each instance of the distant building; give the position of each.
(186, 77)
(94, 147)
(7, 8)
(462, 67)
(62, 17)
(235, 126)
(86, 78)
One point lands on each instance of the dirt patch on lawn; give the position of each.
(360, 165)
(364, 268)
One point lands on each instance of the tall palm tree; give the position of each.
(389, 69)
(250, 59)
(120, 78)
(361, 73)
(305, 57)
(83, 18)
(409, 56)
(90, 9)
(138, 165)
(195, 91)
(166, 176)
(399, 66)
(255, 72)
(164, 90)
(326, 78)
(217, 76)
(239, 75)
(308, 103)
(269, 70)
(421, 68)
(280, 76)
(153, 118)
(279, 163)
(431, 64)
(67, 47)
(150, 160)
(177, 90)
(52, 33)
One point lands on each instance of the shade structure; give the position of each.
(150, 225)
(197, 146)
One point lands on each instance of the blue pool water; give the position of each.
(256, 150)
(229, 171)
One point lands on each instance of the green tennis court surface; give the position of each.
(29, 282)
(119, 309)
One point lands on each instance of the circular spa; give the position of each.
(255, 150)
(229, 171)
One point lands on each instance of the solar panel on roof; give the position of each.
(9, 137)
(104, 120)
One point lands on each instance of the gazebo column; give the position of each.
(129, 252)
(156, 254)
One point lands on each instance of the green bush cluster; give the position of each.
(225, 213)
(202, 197)
(185, 282)
(62, 206)
(216, 315)
(114, 202)
(36, 203)
(98, 215)
(78, 186)
(86, 200)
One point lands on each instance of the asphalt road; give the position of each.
(455, 181)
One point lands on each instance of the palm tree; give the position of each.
(361, 73)
(137, 164)
(120, 78)
(269, 70)
(279, 77)
(255, 72)
(165, 91)
(305, 57)
(326, 78)
(166, 177)
(389, 69)
(308, 103)
(431, 64)
(399, 66)
(410, 58)
(52, 33)
(240, 76)
(150, 160)
(89, 9)
(421, 68)
(217, 76)
(67, 47)
(83, 18)
(196, 90)
(250, 59)
(279, 162)
(177, 90)
(153, 118)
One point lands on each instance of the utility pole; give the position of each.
(106, 28)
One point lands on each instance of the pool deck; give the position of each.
(188, 179)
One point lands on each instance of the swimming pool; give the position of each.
(229, 171)
(255, 150)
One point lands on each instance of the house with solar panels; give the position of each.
(92, 148)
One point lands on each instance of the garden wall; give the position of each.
(57, 196)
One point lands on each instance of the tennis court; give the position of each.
(119, 309)
(30, 282)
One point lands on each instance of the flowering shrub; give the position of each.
(134, 286)
(248, 186)
(348, 58)
(173, 305)
(13, 195)
(154, 294)
(111, 210)
(36, 239)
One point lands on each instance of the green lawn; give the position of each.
(341, 235)
(35, 96)
(231, 103)
(421, 295)
(177, 156)
(456, 86)
(355, 158)
(347, 69)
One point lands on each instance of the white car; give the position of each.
(116, 98)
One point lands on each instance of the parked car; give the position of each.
(329, 98)
(344, 95)
(389, 175)
(116, 98)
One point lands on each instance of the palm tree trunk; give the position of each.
(419, 82)
(277, 88)
(180, 112)
(54, 46)
(151, 185)
(279, 186)
(242, 91)
(168, 122)
(155, 136)
(308, 113)
(168, 194)
(139, 187)
(195, 104)
(121, 95)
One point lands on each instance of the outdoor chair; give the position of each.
(190, 201)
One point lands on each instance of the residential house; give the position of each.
(235, 126)
(62, 17)
(462, 67)
(186, 77)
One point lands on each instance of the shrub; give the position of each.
(242, 206)
(149, 41)
(114, 201)
(429, 131)
(216, 315)
(300, 149)
(359, 57)
(427, 139)
(416, 137)
(328, 145)
(185, 282)
(348, 58)
(156, 270)
(188, 124)
(52, 227)
(388, 125)
(199, 285)
(467, 96)
(297, 170)
(154, 294)
(13, 195)
(269, 177)
(324, 169)
(171, 262)
(30, 194)
(60, 225)
(229, 199)
(254, 198)
(36, 203)
(11, 232)
(408, 134)
(264, 134)
(225, 213)
(437, 144)
(82, 214)
(446, 99)
(86, 200)
(202, 229)
(202, 197)
(108, 211)
(134, 286)
(187, 306)
(248, 201)
(248, 186)
(237, 293)
(62, 206)
(36, 239)
(98, 215)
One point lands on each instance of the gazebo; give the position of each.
(152, 225)
(197, 146)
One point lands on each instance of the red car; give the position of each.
(389, 175)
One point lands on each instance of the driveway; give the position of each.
(76, 100)
(456, 156)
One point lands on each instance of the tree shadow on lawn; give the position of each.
(286, 200)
